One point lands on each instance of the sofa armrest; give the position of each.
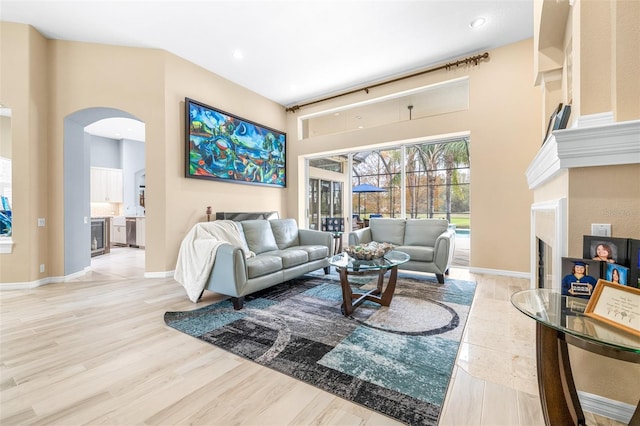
(443, 249)
(229, 273)
(360, 236)
(309, 237)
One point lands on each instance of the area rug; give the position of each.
(396, 360)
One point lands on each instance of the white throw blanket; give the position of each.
(198, 253)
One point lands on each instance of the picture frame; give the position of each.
(617, 248)
(562, 118)
(593, 269)
(552, 123)
(616, 305)
(616, 273)
(224, 147)
(634, 263)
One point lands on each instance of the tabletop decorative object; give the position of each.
(617, 305)
(369, 251)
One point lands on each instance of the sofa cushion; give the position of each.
(263, 265)
(387, 230)
(315, 252)
(290, 257)
(424, 232)
(417, 253)
(285, 232)
(259, 236)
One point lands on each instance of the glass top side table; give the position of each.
(560, 320)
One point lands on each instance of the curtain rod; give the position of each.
(475, 59)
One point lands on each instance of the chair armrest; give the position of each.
(360, 236)
(310, 237)
(443, 249)
(229, 272)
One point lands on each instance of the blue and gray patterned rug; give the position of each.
(396, 360)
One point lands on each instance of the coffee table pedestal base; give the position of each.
(352, 300)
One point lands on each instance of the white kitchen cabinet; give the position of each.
(140, 231)
(106, 185)
(118, 231)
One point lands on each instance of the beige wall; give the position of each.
(607, 194)
(152, 84)
(23, 71)
(600, 75)
(44, 81)
(503, 123)
(187, 199)
(5, 136)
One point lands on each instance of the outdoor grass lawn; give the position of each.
(461, 222)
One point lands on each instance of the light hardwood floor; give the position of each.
(95, 350)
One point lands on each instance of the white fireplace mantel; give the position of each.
(595, 140)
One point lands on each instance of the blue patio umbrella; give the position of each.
(365, 187)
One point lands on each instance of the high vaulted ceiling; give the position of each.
(292, 50)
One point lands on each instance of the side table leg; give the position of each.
(551, 375)
(570, 392)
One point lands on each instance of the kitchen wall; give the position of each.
(125, 154)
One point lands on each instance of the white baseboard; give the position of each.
(38, 283)
(165, 274)
(609, 408)
(502, 272)
(52, 280)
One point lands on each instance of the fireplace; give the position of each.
(594, 140)
(545, 264)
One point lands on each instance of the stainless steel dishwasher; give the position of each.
(131, 231)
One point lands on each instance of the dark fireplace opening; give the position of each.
(545, 264)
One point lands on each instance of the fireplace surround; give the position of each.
(593, 141)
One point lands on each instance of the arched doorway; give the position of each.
(77, 163)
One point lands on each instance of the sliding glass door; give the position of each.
(325, 200)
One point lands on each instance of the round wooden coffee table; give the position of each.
(346, 265)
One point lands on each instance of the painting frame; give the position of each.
(615, 305)
(224, 147)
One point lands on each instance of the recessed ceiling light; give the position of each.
(237, 54)
(478, 22)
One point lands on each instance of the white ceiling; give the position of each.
(293, 50)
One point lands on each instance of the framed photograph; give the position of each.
(552, 123)
(579, 276)
(616, 273)
(562, 118)
(221, 146)
(634, 263)
(606, 249)
(616, 305)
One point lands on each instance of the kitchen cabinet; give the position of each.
(140, 231)
(119, 231)
(106, 185)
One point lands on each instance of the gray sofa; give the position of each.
(282, 252)
(429, 242)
